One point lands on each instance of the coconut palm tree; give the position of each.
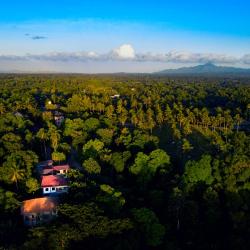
(16, 174)
(43, 135)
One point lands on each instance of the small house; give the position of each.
(53, 170)
(41, 166)
(47, 171)
(61, 169)
(54, 184)
(58, 117)
(39, 210)
(117, 96)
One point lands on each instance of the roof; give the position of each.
(45, 163)
(53, 180)
(18, 114)
(47, 171)
(38, 205)
(61, 167)
(58, 113)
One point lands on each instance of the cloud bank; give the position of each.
(127, 53)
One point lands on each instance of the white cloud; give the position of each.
(127, 53)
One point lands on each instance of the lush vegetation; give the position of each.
(166, 165)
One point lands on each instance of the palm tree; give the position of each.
(123, 116)
(2, 109)
(150, 120)
(42, 134)
(134, 119)
(134, 103)
(109, 111)
(238, 121)
(159, 116)
(54, 137)
(16, 174)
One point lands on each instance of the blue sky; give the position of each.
(110, 36)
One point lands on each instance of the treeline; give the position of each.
(156, 163)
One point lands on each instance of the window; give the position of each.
(46, 189)
(52, 189)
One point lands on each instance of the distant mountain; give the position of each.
(208, 69)
(205, 69)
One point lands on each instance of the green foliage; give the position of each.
(49, 105)
(91, 166)
(148, 223)
(93, 148)
(65, 147)
(118, 160)
(81, 222)
(198, 171)
(237, 176)
(12, 173)
(202, 201)
(73, 128)
(47, 116)
(105, 135)
(54, 136)
(86, 218)
(146, 166)
(8, 201)
(112, 198)
(18, 166)
(32, 185)
(58, 156)
(11, 142)
(141, 140)
(186, 146)
(91, 124)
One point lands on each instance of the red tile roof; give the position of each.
(61, 167)
(53, 180)
(38, 205)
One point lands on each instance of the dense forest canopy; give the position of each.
(156, 163)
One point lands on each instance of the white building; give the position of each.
(54, 184)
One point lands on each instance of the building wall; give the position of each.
(59, 120)
(33, 219)
(58, 189)
(63, 171)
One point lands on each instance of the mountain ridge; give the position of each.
(208, 68)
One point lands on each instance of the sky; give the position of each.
(122, 36)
